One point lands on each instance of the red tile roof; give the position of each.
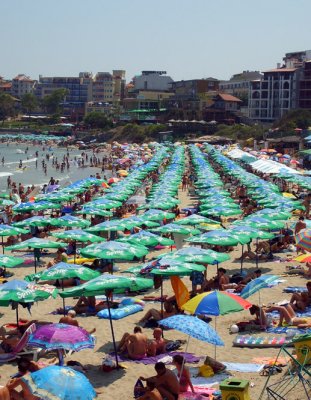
(228, 97)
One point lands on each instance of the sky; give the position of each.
(189, 39)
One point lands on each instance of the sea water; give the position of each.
(28, 175)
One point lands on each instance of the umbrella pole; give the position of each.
(2, 245)
(17, 318)
(34, 256)
(242, 257)
(161, 297)
(256, 253)
(63, 298)
(215, 350)
(112, 332)
(75, 251)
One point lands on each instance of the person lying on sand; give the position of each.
(70, 320)
(156, 315)
(135, 345)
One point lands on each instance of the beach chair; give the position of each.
(20, 348)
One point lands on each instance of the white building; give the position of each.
(152, 81)
(22, 85)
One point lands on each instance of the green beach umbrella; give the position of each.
(157, 215)
(195, 219)
(104, 284)
(10, 261)
(78, 235)
(95, 211)
(68, 221)
(146, 238)
(8, 230)
(175, 228)
(112, 225)
(34, 221)
(113, 250)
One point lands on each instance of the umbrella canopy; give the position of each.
(59, 383)
(10, 261)
(220, 238)
(24, 292)
(61, 336)
(304, 258)
(157, 215)
(64, 270)
(175, 228)
(257, 284)
(34, 221)
(193, 327)
(40, 206)
(216, 303)
(303, 239)
(146, 238)
(196, 219)
(37, 243)
(8, 230)
(107, 282)
(78, 235)
(113, 250)
(69, 221)
(198, 255)
(95, 211)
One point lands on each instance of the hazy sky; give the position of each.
(187, 38)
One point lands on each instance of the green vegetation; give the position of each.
(96, 119)
(7, 106)
(240, 132)
(29, 103)
(139, 133)
(53, 101)
(299, 118)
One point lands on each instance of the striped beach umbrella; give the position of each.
(303, 239)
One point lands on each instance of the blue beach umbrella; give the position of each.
(193, 327)
(257, 284)
(59, 383)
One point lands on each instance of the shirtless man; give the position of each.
(135, 344)
(165, 381)
(151, 393)
(156, 346)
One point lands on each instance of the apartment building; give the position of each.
(108, 88)
(21, 85)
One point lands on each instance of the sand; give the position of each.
(119, 384)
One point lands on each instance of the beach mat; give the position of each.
(288, 329)
(260, 341)
(271, 361)
(200, 393)
(243, 367)
(167, 358)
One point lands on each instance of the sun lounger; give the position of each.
(21, 348)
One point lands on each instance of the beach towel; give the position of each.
(271, 361)
(295, 289)
(209, 382)
(201, 393)
(288, 329)
(189, 358)
(243, 367)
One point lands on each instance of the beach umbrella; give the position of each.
(105, 204)
(222, 212)
(303, 239)
(196, 219)
(6, 202)
(10, 261)
(304, 258)
(215, 303)
(194, 327)
(146, 238)
(59, 383)
(112, 225)
(68, 221)
(105, 284)
(40, 206)
(157, 215)
(37, 243)
(8, 230)
(263, 223)
(34, 221)
(95, 211)
(175, 228)
(273, 214)
(61, 337)
(21, 292)
(113, 250)
(257, 284)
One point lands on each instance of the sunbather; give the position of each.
(70, 320)
(288, 315)
(135, 344)
(158, 344)
(150, 392)
(300, 301)
(156, 315)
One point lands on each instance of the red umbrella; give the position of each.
(113, 180)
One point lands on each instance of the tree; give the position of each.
(52, 101)
(7, 103)
(29, 103)
(293, 119)
(97, 119)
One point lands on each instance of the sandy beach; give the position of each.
(119, 384)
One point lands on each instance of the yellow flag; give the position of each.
(180, 290)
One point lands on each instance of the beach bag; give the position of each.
(138, 389)
(206, 371)
(172, 346)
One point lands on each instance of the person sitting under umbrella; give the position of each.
(165, 381)
(183, 374)
(218, 282)
(70, 320)
(61, 256)
(134, 345)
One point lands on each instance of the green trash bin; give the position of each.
(302, 345)
(234, 389)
